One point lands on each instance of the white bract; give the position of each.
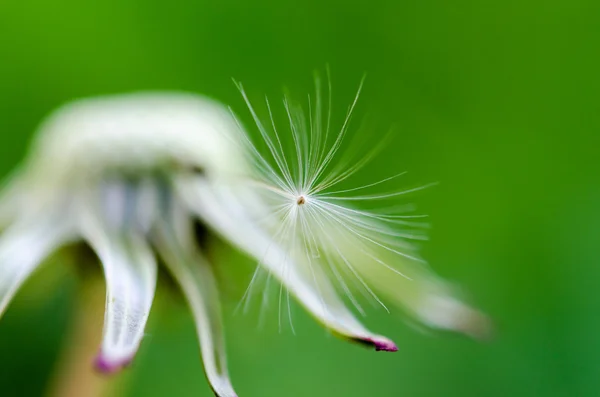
(129, 175)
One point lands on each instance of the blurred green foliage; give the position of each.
(497, 100)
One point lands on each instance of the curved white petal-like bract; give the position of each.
(23, 246)
(130, 270)
(222, 210)
(193, 272)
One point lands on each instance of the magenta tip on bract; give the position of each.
(109, 367)
(385, 346)
(381, 345)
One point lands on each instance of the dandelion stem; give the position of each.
(75, 375)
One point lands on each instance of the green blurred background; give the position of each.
(496, 100)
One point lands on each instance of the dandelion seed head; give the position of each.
(132, 176)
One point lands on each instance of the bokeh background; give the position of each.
(496, 100)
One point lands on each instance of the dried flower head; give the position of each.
(130, 175)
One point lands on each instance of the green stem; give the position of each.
(74, 374)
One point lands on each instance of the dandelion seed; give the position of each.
(338, 248)
(130, 175)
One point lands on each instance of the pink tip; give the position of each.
(381, 345)
(385, 346)
(108, 367)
